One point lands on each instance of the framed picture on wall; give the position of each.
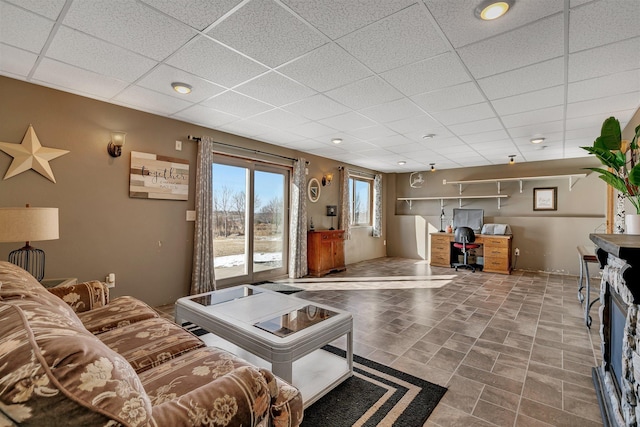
(545, 199)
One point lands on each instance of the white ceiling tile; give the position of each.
(526, 79)
(205, 116)
(451, 150)
(312, 130)
(275, 89)
(404, 148)
(505, 52)
(148, 100)
(390, 141)
(357, 146)
(325, 68)
(77, 80)
(602, 22)
(279, 119)
(603, 105)
(161, 77)
(600, 87)
(422, 123)
(348, 121)
(328, 151)
(383, 45)
(317, 107)
(268, 33)
(392, 111)
(130, 25)
(365, 93)
(419, 136)
(22, 29)
(279, 137)
(15, 61)
(596, 120)
(199, 14)
(485, 125)
(490, 146)
(450, 97)
(337, 18)
(237, 104)
(214, 62)
(305, 145)
(246, 128)
(95, 55)
(597, 62)
(457, 19)
(443, 70)
(542, 98)
(50, 8)
(531, 117)
(480, 137)
(372, 132)
(465, 114)
(540, 128)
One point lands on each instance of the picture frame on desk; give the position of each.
(545, 199)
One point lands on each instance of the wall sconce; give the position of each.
(512, 159)
(326, 179)
(115, 145)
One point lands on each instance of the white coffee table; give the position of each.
(279, 332)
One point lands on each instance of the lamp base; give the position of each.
(30, 259)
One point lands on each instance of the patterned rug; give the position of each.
(376, 395)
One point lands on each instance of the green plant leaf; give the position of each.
(606, 157)
(611, 135)
(615, 182)
(634, 175)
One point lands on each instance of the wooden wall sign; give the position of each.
(158, 177)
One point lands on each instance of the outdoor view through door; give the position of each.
(255, 194)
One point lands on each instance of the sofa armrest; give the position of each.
(240, 398)
(83, 296)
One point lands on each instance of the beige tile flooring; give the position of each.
(512, 350)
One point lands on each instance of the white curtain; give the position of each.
(202, 275)
(345, 220)
(298, 222)
(377, 205)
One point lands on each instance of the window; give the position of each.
(360, 190)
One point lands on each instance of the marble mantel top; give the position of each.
(624, 246)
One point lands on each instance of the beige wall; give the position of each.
(547, 240)
(147, 243)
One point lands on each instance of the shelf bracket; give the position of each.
(498, 182)
(498, 199)
(460, 203)
(521, 186)
(409, 203)
(460, 189)
(571, 182)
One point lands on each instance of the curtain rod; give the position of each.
(356, 172)
(198, 139)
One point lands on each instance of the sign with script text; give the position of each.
(158, 177)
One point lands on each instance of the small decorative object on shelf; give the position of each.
(449, 229)
(311, 224)
(332, 210)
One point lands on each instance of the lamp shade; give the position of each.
(28, 224)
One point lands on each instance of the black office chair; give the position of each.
(463, 240)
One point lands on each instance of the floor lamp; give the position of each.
(25, 225)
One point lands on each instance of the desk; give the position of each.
(497, 251)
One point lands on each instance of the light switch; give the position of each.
(179, 145)
(191, 215)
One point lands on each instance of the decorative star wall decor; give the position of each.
(30, 154)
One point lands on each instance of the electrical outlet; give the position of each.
(111, 280)
(517, 252)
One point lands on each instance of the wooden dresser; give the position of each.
(325, 251)
(496, 249)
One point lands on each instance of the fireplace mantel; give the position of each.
(627, 248)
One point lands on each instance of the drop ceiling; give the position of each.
(379, 74)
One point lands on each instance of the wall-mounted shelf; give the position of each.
(410, 200)
(520, 179)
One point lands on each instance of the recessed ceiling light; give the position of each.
(182, 88)
(489, 10)
(336, 140)
(537, 139)
(402, 163)
(429, 136)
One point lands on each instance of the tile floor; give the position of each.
(512, 350)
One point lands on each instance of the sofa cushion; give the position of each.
(150, 342)
(49, 370)
(83, 296)
(119, 312)
(209, 383)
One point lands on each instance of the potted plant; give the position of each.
(622, 158)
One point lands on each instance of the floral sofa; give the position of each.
(69, 356)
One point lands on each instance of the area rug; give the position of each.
(376, 395)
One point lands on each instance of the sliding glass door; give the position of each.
(251, 227)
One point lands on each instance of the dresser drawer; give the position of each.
(495, 242)
(440, 247)
(440, 259)
(496, 264)
(439, 240)
(494, 252)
